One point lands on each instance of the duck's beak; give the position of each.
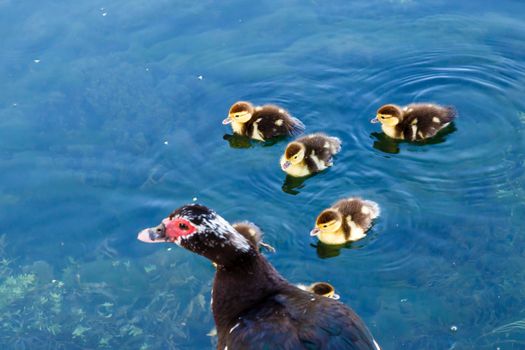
(226, 121)
(315, 232)
(375, 120)
(286, 165)
(153, 234)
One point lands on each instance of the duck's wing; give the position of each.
(268, 326)
(329, 324)
(300, 321)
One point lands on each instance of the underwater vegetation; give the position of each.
(97, 305)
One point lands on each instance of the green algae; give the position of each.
(98, 304)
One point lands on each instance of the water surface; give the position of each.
(110, 117)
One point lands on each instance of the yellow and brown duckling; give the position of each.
(262, 122)
(347, 220)
(253, 234)
(323, 289)
(414, 122)
(309, 154)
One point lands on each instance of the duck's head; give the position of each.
(202, 231)
(329, 221)
(293, 154)
(390, 115)
(240, 112)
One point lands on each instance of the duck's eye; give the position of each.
(295, 157)
(325, 226)
(183, 226)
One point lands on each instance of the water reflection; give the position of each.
(241, 141)
(292, 185)
(387, 144)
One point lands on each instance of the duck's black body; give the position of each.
(254, 307)
(274, 314)
(270, 121)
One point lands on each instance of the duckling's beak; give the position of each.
(315, 232)
(226, 121)
(153, 234)
(286, 165)
(375, 120)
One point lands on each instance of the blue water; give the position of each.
(110, 117)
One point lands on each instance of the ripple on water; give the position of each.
(491, 84)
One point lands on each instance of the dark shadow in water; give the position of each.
(241, 141)
(238, 141)
(384, 143)
(273, 141)
(325, 251)
(292, 184)
(387, 144)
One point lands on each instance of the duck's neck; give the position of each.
(239, 286)
(238, 128)
(299, 169)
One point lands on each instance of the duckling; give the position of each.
(320, 288)
(253, 234)
(262, 122)
(346, 221)
(309, 154)
(415, 122)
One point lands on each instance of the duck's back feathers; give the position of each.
(360, 211)
(271, 121)
(423, 121)
(320, 141)
(375, 211)
(296, 319)
(319, 150)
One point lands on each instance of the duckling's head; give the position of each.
(294, 154)
(324, 289)
(240, 112)
(328, 221)
(390, 115)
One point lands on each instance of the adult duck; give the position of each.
(254, 307)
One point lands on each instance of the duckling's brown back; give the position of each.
(272, 121)
(427, 118)
(354, 207)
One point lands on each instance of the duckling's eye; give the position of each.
(295, 157)
(325, 226)
(183, 226)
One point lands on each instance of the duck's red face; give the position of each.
(178, 227)
(170, 230)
